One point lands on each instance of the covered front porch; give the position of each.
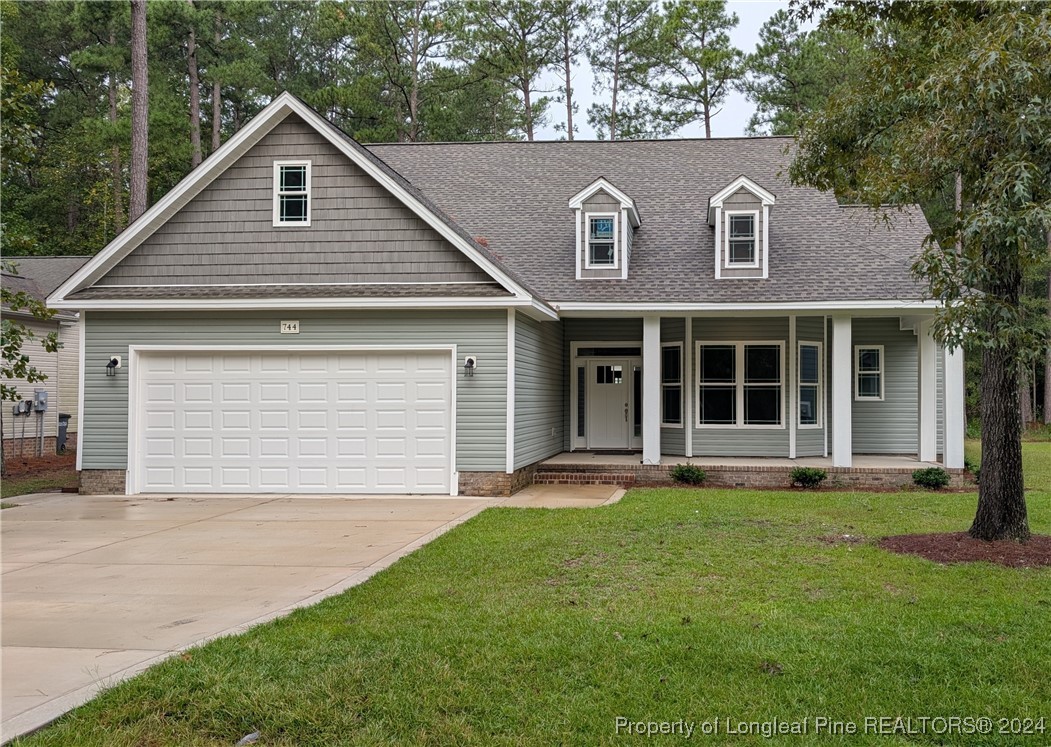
(868, 390)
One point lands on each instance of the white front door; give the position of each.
(608, 399)
(304, 422)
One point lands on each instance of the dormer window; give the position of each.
(740, 217)
(605, 221)
(741, 239)
(292, 193)
(602, 241)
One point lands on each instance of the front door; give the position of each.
(608, 404)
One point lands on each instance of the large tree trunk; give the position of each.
(217, 101)
(528, 110)
(139, 109)
(1025, 400)
(1001, 510)
(195, 94)
(567, 64)
(114, 161)
(1047, 356)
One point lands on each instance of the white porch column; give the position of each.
(842, 384)
(954, 408)
(928, 373)
(651, 390)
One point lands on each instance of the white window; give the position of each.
(671, 385)
(741, 243)
(868, 372)
(740, 384)
(292, 193)
(602, 241)
(809, 379)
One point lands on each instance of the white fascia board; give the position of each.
(766, 197)
(628, 309)
(233, 149)
(189, 304)
(603, 185)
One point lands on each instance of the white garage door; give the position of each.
(303, 422)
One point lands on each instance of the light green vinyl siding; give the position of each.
(481, 412)
(890, 426)
(741, 441)
(539, 384)
(673, 440)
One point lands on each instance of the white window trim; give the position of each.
(882, 373)
(586, 241)
(739, 385)
(727, 264)
(277, 194)
(681, 385)
(820, 385)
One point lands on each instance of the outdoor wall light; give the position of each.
(113, 365)
(469, 364)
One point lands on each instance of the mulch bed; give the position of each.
(28, 466)
(960, 547)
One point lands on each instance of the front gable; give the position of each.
(358, 231)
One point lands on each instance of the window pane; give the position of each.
(601, 228)
(808, 404)
(762, 405)
(868, 359)
(671, 365)
(671, 405)
(762, 363)
(581, 401)
(868, 385)
(718, 363)
(637, 409)
(809, 364)
(293, 208)
(293, 178)
(609, 352)
(601, 253)
(742, 226)
(742, 251)
(718, 405)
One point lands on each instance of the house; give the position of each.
(38, 277)
(306, 314)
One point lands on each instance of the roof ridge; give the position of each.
(584, 142)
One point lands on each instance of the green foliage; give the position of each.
(808, 477)
(932, 478)
(16, 363)
(973, 466)
(690, 474)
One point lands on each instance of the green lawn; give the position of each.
(541, 627)
(12, 486)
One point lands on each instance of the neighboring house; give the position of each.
(306, 314)
(38, 277)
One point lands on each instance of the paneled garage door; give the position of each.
(303, 422)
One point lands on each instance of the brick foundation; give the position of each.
(27, 447)
(722, 476)
(103, 481)
(497, 484)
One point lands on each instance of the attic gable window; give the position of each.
(292, 193)
(602, 241)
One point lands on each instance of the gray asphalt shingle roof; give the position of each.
(515, 195)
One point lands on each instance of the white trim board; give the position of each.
(602, 184)
(257, 128)
(572, 308)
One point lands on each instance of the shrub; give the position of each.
(690, 474)
(932, 478)
(808, 477)
(972, 466)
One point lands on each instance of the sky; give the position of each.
(731, 121)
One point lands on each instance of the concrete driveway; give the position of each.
(96, 589)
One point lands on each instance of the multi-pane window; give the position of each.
(717, 378)
(602, 241)
(671, 384)
(740, 384)
(740, 239)
(809, 384)
(292, 193)
(868, 370)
